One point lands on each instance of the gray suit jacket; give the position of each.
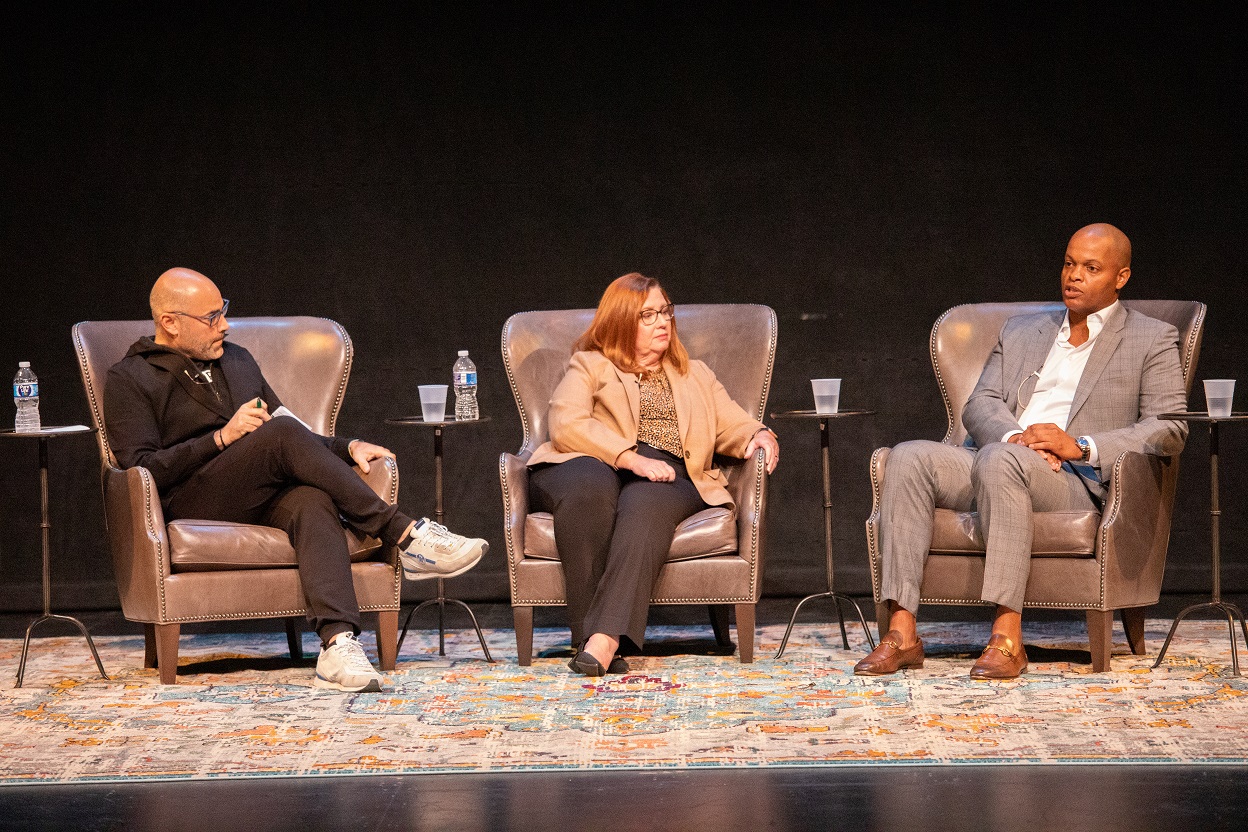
(1133, 375)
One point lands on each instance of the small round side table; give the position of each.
(441, 600)
(840, 598)
(43, 436)
(1215, 603)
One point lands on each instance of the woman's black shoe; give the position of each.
(585, 664)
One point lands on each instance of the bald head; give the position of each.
(189, 314)
(178, 290)
(1114, 241)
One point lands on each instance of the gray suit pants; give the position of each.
(1004, 483)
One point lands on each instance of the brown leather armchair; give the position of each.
(185, 571)
(717, 555)
(1094, 561)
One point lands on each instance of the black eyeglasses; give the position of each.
(212, 318)
(649, 316)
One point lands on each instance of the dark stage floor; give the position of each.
(1135, 798)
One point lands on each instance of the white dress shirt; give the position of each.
(1054, 393)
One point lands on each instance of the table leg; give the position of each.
(1231, 612)
(46, 529)
(441, 600)
(826, 463)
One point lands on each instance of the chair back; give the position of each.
(964, 337)
(737, 341)
(306, 361)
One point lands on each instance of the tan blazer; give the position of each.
(596, 407)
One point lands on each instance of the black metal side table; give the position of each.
(1215, 603)
(441, 600)
(839, 597)
(43, 436)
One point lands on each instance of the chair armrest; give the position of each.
(138, 540)
(383, 479)
(513, 475)
(747, 483)
(878, 461)
(1134, 533)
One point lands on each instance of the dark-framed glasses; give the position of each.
(649, 316)
(212, 318)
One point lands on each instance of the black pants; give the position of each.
(613, 530)
(282, 475)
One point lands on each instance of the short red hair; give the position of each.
(613, 332)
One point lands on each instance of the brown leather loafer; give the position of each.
(889, 657)
(1001, 659)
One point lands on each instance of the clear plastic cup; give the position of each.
(433, 402)
(1218, 395)
(827, 394)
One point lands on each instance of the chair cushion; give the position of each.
(710, 532)
(215, 545)
(1056, 534)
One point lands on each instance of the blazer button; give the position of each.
(687, 454)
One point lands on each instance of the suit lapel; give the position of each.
(1106, 342)
(681, 398)
(632, 389)
(1034, 356)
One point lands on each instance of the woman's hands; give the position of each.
(766, 440)
(652, 469)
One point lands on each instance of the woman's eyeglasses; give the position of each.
(649, 316)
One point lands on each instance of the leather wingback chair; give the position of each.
(717, 555)
(1092, 561)
(186, 571)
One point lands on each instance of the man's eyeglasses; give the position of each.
(212, 318)
(649, 316)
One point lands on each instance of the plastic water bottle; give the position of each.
(464, 375)
(26, 397)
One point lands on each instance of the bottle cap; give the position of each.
(463, 352)
(22, 364)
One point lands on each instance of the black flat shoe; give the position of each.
(585, 664)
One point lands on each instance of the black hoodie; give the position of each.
(161, 413)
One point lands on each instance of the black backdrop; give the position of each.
(419, 172)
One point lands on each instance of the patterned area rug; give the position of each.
(244, 709)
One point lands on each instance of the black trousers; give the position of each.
(283, 475)
(613, 530)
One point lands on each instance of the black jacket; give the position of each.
(162, 416)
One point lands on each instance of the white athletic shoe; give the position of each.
(344, 666)
(436, 552)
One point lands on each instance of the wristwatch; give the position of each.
(1085, 446)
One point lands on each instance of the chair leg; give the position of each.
(524, 634)
(881, 619)
(167, 651)
(387, 638)
(1100, 638)
(1133, 624)
(294, 639)
(719, 623)
(149, 645)
(745, 632)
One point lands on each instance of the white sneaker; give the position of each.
(436, 552)
(344, 666)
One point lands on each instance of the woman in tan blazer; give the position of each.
(634, 425)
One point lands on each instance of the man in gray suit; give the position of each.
(1059, 399)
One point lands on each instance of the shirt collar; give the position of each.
(1096, 322)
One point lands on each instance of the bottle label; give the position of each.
(462, 378)
(25, 390)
